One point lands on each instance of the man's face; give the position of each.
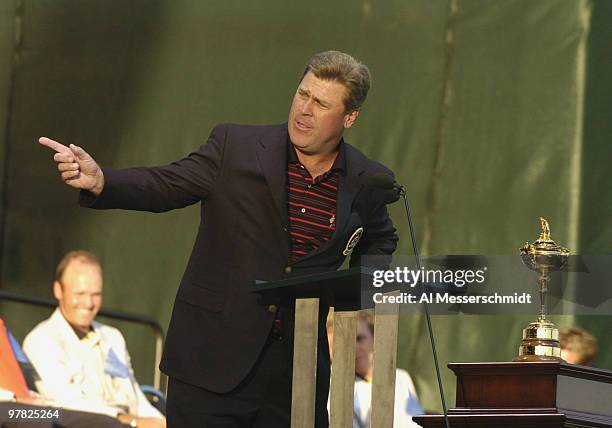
(79, 294)
(318, 117)
(365, 348)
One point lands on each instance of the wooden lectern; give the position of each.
(528, 394)
(342, 290)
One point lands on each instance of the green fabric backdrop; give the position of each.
(492, 113)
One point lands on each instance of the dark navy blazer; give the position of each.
(218, 326)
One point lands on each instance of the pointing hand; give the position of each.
(77, 168)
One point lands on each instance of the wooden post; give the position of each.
(385, 360)
(304, 363)
(343, 370)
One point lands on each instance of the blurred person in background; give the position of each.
(17, 399)
(578, 346)
(406, 400)
(83, 364)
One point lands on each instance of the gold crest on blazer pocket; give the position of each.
(352, 242)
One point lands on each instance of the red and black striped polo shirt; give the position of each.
(311, 204)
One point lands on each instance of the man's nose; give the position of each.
(87, 301)
(307, 107)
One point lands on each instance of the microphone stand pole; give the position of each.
(402, 192)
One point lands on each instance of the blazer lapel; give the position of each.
(272, 157)
(350, 185)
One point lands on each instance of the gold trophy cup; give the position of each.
(541, 338)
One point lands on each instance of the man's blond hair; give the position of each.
(82, 255)
(346, 70)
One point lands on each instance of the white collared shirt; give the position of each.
(72, 370)
(406, 402)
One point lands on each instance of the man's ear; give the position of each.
(57, 290)
(350, 118)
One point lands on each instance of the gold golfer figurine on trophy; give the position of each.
(541, 338)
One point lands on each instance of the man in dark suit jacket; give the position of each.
(275, 201)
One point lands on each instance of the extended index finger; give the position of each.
(52, 144)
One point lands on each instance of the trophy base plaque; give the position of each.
(540, 342)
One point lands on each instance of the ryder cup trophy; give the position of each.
(541, 338)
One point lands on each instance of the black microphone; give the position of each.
(386, 190)
(380, 180)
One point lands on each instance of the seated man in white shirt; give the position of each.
(17, 401)
(85, 365)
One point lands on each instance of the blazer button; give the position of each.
(272, 308)
(288, 269)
